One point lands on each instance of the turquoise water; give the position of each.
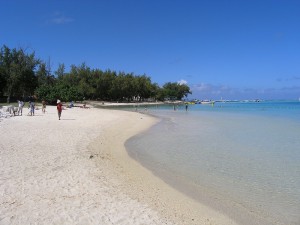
(240, 158)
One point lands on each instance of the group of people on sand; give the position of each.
(31, 107)
(59, 107)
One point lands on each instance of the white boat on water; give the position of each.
(207, 102)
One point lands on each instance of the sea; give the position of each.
(241, 158)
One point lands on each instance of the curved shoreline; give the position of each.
(218, 201)
(140, 183)
(76, 171)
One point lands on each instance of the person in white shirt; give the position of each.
(20, 109)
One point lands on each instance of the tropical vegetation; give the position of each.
(23, 75)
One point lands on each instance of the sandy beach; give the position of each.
(77, 171)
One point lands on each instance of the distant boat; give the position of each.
(207, 102)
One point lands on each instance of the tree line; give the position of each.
(22, 75)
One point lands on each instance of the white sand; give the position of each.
(76, 171)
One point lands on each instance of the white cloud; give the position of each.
(210, 91)
(182, 82)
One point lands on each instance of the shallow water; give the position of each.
(242, 156)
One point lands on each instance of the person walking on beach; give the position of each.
(31, 108)
(59, 108)
(186, 107)
(43, 106)
(20, 109)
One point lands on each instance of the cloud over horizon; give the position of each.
(210, 91)
(182, 82)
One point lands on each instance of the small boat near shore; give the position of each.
(195, 101)
(207, 102)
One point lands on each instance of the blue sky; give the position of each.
(226, 49)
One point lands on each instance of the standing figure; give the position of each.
(71, 104)
(59, 108)
(31, 108)
(186, 107)
(20, 109)
(44, 106)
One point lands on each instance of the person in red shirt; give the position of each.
(59, 108)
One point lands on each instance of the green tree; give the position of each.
(144, 87)
(43, 75)
(17, 71)
(105, 84)
(20, 77)
(60, 72)
(176, 91)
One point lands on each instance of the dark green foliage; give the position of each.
(44, 76)
(17, 72)
(19, 77)
(52, 93)
(176, 91)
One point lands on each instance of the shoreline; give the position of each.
(257, 209)
(203, 195)
(140, 183)
(77, 170)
